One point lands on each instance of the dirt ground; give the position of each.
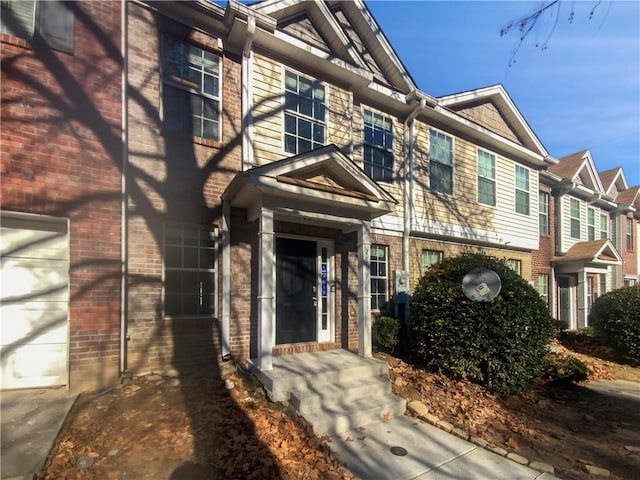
(191, 429)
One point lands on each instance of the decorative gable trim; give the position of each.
(498, 96)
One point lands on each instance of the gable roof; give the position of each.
(320, 180)
(338, 30)
(510, 117)
(630, 197)
(579, 167)
(594, 251)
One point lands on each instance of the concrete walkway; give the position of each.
(31, 421)
(406, 448)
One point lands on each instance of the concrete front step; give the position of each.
(354, 414)
(329, 396)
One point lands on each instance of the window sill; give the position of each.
(207, 142)
(16, 41)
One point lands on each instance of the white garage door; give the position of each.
(34, 301)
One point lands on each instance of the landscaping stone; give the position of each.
(596, 471)
(429, 418)
(497, 450)
(446, 426)
(418, 408)
(542, 467)
(517, 458)
(481, 442)
(458, 432)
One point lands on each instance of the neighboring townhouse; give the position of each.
(624, 225)
(61, 160)
(585, 256)
(542, 274)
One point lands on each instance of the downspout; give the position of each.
(247, 91)
(124, 337)
(408, 182)
(247, 156)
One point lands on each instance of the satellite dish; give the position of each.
(481, 285)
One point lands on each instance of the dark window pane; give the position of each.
(173, 282)
(304, 129)
(290, 144)
(305, 107)
(172, 305)
(173, 256)
(318, 133)
(210, 129)
(290, 124)
(190, 257)
(304, 146)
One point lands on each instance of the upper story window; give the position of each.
(440, 162)
(522, 190)
(50, 21)
(574, 215)
(378, 146)
(304, 114)
(378, 262)
(486, 178)
(543, 212)
(591, 223)
(629, 234)
(430, 257)
(191, 89)
(189, 270)
(604, 226)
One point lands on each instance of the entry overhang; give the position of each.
(322, 181)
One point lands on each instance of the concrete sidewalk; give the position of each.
(31, 421)
(426, 453)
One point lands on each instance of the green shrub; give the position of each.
(565, 368)
(384, 333)
(501, 344)
(615, 318)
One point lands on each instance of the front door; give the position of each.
(296, 302)
(565, 303)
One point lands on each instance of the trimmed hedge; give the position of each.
(384, 333)
(615, 319)
(500, 344)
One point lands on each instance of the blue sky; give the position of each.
(582, 91)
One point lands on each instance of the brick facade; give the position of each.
(62, 156)
(541, 258)
(172, 178)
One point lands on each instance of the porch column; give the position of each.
(266, 320)
(364, 290)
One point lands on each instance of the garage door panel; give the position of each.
(33, 243)
(23, 366)
(38, 322)
(34, 280)
(34, 300)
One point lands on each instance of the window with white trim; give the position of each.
(379, 276)
(515, 265)
(430, 257)
(629, 234)
(591, 223)
(486, 178)
(522, 190)
(574, 215)
(378, 146)
(440, 162)
(543, 286)
(543, 213)
(51, 22)
(189, 270)
(604, 226)
(304, 114)
(190, 89)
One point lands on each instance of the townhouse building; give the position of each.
(243, 182)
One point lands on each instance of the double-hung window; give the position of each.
(515, 265)
(486, 178)
(49, 21)
(629, 234)
(440, 162)
(189, 270)
(430, 257)
(604, 226)
(591, 223)
(304, 114)
(574, 213)
(543, 286)
(522, 190)
(543, 213)
(378, 262)
(191, 89)
(378, 146)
